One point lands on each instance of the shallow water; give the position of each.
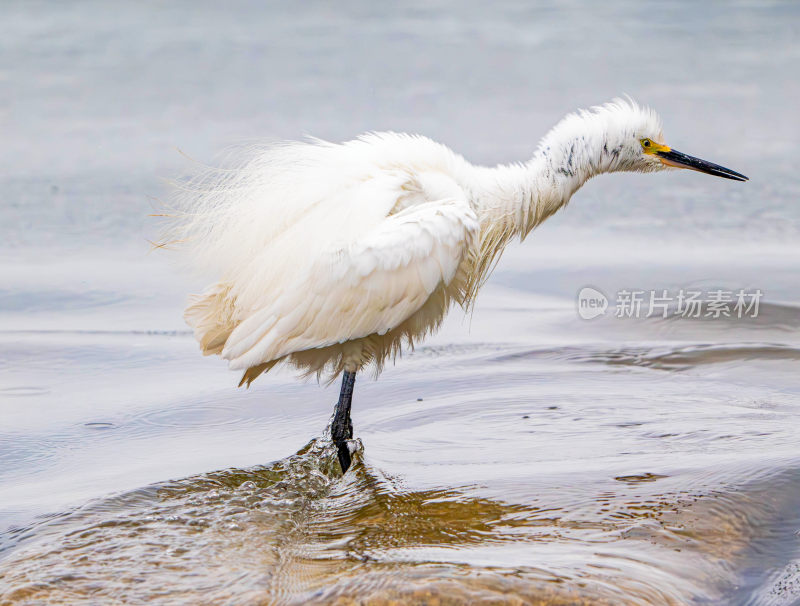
(523, 454)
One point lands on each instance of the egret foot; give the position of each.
(342, 426)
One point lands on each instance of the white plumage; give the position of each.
(333, 256)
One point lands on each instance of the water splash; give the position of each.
(299, 532)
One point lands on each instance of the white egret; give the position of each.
(332, 257)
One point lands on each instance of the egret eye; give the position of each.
(646, 142)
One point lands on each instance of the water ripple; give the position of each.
(298, 532)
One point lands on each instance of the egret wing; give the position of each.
(368, 286)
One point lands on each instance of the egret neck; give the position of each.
(515, 198)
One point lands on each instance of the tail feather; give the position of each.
(252, 373)
(210, 315)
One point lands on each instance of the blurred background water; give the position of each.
(523, 455)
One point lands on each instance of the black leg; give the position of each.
(342, 426)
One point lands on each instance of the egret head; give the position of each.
(618, 136)
(638, 132)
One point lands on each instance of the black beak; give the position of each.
(676, 158)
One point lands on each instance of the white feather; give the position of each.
(331, 256)
(362, 288)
